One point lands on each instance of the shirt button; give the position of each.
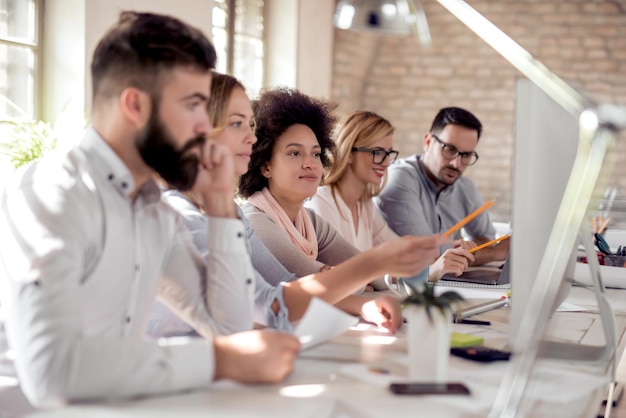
(136, 267)
(248, 281)
(111, 177)
(128, 319)
(239, 235)
(124, 185)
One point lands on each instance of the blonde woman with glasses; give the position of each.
(364, 151)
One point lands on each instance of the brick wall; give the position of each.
(584, 42)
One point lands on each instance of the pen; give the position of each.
(468, 218)
(487, 244)
(473, 322)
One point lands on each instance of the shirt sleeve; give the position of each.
(278, 243)
(333, 248)
(481, 226)
(266, 294)
(263, 261)
(400, 203)
(44, 249)
(225, 292)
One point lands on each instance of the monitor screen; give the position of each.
(546, 141)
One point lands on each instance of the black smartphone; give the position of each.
(449, 388)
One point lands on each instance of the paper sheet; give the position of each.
(321, 322)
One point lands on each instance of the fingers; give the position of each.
(456, 261)
(255, 356)
(383, 311)
(466, 245)
(213, 154)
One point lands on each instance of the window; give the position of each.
(19, 49)
(238, 38)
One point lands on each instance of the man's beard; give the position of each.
(157, 149)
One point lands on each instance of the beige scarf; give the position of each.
(301, 232)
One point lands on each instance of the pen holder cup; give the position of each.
(615, 260)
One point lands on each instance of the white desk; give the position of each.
(334, 394)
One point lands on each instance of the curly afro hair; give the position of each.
(275, 111)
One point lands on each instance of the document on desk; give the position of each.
(321, 322)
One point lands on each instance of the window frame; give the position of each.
(231, 34)
(37, 50)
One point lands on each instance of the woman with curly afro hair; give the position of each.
(280, 297)
(287, 163)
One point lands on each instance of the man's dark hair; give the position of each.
(455, 116)
(275, 111)
(141, 48)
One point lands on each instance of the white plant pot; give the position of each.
(428, 344)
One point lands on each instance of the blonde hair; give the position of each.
(222, 87)
(357, 129)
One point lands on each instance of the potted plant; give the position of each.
(26, 140)
(429, 319)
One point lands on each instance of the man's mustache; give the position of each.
(449, 167)
(198, 140)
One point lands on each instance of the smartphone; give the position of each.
(451, 388)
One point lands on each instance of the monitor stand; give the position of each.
(571, 224)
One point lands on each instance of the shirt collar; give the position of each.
(109, 166)
(432, 186)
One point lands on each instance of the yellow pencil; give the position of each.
(468, 218)
(604, 225)
(487, 244)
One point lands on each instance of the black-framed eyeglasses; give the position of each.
(450, 152)
(379, 155)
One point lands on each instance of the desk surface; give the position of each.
(320, 386)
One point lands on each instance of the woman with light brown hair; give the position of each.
(279, 296)
(364, 151)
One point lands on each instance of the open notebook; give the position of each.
(483, 276)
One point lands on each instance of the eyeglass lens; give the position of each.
(450, 152)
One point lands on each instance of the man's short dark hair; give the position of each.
(455, 116)
(140, 50)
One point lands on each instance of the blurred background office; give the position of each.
(46, 46)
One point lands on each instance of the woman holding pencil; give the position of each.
(364, 151)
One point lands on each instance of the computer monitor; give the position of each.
(546, 141)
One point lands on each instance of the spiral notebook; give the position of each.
(475, 306)
(485, 277)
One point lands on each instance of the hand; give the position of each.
(216, 174)
(383, 311)
(325, 267)
(466, 245)
(408, 255)
(216, 171)
(454, 260)
(255, 356)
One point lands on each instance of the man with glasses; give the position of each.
(427, 194)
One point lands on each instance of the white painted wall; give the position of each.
(299, 45)
(315, 47)
(72, 29)
(63, 74)
(281, 43)
(299, 38)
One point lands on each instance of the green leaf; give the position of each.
(28, 140)
(425, 297)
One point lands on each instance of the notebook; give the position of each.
(475, 306)
(488, 277)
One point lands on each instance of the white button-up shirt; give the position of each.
(83, 263)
